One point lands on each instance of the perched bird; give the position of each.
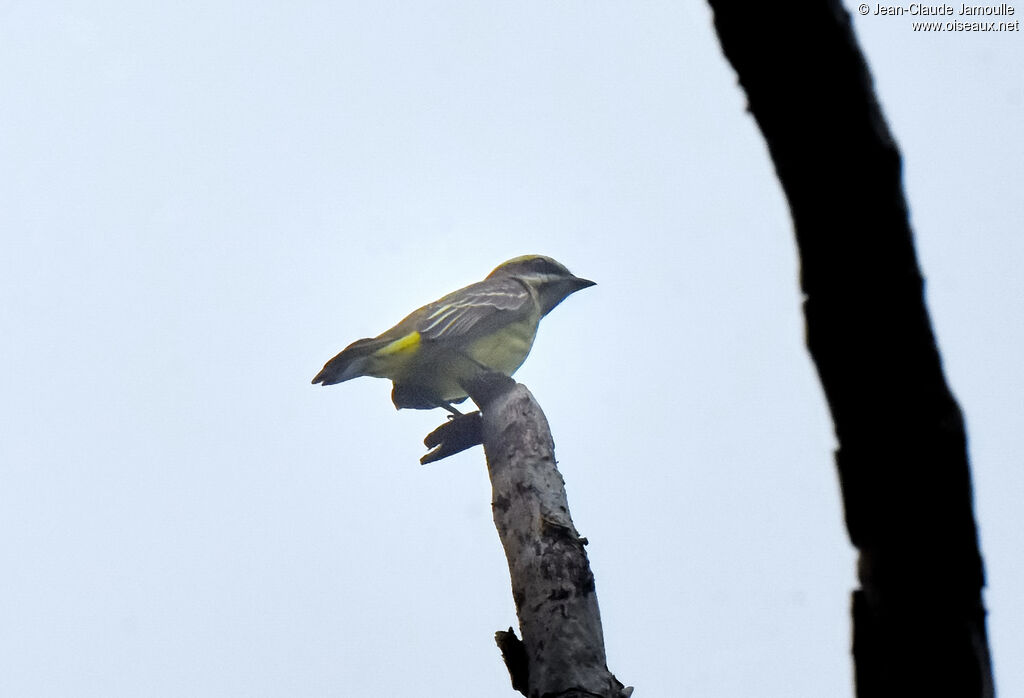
(486, 326)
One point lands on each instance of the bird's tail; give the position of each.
(350, 363)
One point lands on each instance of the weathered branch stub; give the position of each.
(562, 651)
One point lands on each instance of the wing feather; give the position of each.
(474, 310)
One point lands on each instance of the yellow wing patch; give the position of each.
(408, 343)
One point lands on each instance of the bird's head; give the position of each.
(550, 279)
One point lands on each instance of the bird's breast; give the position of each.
(506, 349)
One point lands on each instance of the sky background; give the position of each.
(201, 203)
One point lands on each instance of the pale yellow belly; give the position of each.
(503, 351)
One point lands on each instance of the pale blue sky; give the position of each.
(201, 203)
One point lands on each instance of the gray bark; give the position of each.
(562, 651)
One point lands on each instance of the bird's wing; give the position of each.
(474, 310)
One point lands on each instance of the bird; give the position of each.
(487, 326)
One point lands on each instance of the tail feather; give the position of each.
(349, 363)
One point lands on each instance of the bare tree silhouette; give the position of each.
(919, 620)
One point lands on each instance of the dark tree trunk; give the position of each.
(919, 621)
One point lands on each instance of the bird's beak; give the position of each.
(578, 284)
(561, 290)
